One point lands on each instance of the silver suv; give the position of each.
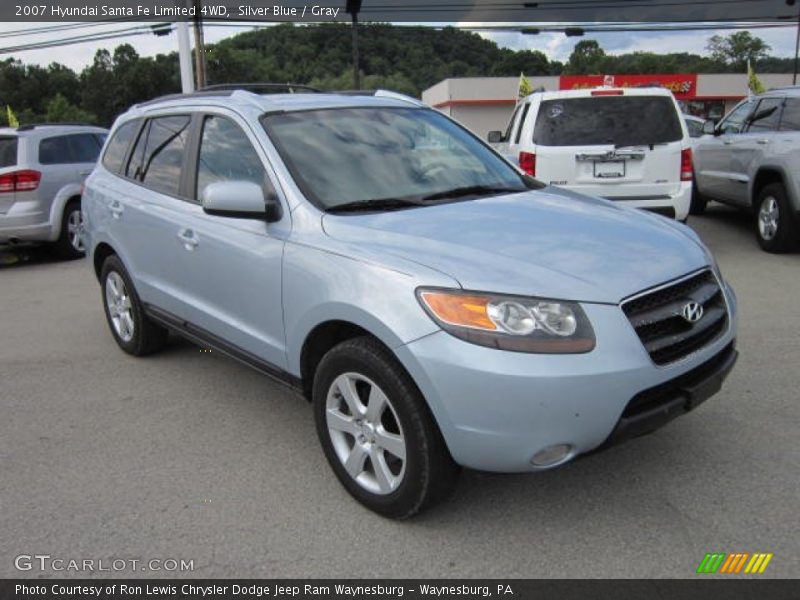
(439, 307)
(751, 159)
(42, 168)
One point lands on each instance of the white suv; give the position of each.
(629, 145)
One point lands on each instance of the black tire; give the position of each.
(783, 235)
(146, 336)
(699, 202)
(429, 473)
(65, 247)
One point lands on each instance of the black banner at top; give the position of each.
(399, 11)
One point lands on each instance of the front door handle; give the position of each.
(188, 239)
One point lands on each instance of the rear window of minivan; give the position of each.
(599, 120)
(8, 151)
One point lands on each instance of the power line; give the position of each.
(130, 31)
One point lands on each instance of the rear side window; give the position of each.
(55, 151)
(158, 156)
(118, 146)
(791, 115)
(226, 154)
(8, 151)
(618, 120)
(85, 147)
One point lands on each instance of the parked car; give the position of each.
(751, 160)
(694, 125)
(438, 307)
(42, 168)
(627, 145)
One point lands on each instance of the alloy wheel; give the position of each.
(75, 230)
(365, 433)
(119, 306)
(768, 218)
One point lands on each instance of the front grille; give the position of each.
(666, 334)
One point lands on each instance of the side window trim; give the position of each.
(521, 124)
(143, 128)
(510, 126)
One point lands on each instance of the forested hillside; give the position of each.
(404, 59)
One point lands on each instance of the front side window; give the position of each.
(601, 120)
(118, 146)
(226, 154)
(507, 134)
(767, 115)
(736, 119)
(157, 159)
(791, 115)
(695, 128)
(354, 155)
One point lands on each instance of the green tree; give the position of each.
(587, 58)
(61, 110)
(737, 48)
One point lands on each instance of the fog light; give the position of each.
(551, 455)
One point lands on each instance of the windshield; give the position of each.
(349, 155)
(599, 120)
(8, 151)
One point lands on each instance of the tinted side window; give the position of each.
(55, 151)
(735, 120)
(507, 134)
(8, 151)
(695, 128)
(791, 115)
(226, 154)
(163, 145)
(84, 147)
(118, 146)
(769, 109)
(522, 122)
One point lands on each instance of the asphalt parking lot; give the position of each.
(189, 455)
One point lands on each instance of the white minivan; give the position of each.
(629, 145)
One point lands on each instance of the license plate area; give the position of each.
(609, 169)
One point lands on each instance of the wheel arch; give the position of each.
(101, 252)
(68, 193)
(764, 177)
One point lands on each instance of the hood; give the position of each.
(549, 243)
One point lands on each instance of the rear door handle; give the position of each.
(188, 239)
(763, 142)
(116, 209)
(84, 173)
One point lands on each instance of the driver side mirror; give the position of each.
(709, 128)
(494, 137)
(240, 199)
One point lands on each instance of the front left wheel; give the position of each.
(377, 432)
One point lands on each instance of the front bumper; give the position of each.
(497, 409)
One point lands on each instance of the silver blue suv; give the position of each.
(438, 307)
(42, 168)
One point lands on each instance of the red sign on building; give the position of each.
(683, 85)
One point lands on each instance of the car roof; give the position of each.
(592, 92)
(45, 129)
(264, 103)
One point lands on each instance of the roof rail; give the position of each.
(380, 94)
(32, 126)
(264, 88)
(784, 87)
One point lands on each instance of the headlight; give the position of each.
(511, 323)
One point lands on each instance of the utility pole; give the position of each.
(199, 46)
(352, 7)
(185, 57)
(796, 50)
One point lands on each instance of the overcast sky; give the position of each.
(555, 45)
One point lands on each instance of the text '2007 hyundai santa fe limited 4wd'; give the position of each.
(438, 307)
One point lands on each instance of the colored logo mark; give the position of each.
(735, 563)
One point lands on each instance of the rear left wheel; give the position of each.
(70, 240)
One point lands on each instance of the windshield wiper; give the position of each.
(375, 204)
(472, 190)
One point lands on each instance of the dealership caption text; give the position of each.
(166, 11)
(275, 590)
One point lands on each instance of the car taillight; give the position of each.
(527, 162)
(686, 165)
(20, 181)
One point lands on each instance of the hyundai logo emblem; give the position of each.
(692, 312)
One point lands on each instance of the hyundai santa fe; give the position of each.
(439, 308)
